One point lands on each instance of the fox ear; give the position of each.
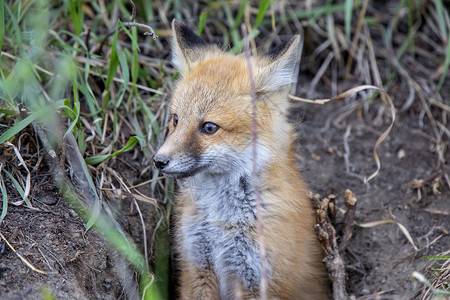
(186, 46)
(280, 66)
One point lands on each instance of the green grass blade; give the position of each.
(76, 110)
(134, 59)
(129, 145)
(67, 110)
(4, 198)
(411, 28)
(115, 135)
(18, 188)
(348, 17)
(238, 47)
(91, 101)
(441, 19)
(148, 11)
(125, 74)
(81, 141)
(153, 121)
(313, 14)
(46, 294)
(446, 64)
(149, 288)
(201, 22)
(8, 112)
(240, 14)
(94, 213)
(434, 257)
(95, 160)
(330, 29)
(262, 10)
(76, 14)
(2, 25)
(16, 33)
(113, 61)
(234, 32)
(162, 259)
(16, 128)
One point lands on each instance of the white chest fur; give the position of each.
(220, 233)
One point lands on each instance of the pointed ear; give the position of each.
(279, 66)
(187, 47)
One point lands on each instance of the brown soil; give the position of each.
(380, 259)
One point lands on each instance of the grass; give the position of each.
(437, 285)
(64, 77)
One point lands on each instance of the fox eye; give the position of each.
(210, 128)
(175, 120)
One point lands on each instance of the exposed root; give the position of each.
(326, 215)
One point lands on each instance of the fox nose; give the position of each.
(160, 161)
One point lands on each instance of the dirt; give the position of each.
(380, 259)
(78, 264)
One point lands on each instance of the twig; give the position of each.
(133, 11)
(350, 203)
(149, 31)
(259, 223)
(333, 259)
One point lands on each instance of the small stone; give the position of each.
(315, 156)
(365, 292)
(48, 200)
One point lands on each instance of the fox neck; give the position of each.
(225, 212)
(223, 194)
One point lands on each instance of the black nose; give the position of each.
(160, 161)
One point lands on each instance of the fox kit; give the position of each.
(209, 150)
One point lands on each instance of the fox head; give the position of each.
(211, 109)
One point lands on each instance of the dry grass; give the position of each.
(437, 286)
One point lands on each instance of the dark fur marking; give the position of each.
(279, 50)
(187, 37)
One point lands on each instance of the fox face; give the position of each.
(211, 109)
